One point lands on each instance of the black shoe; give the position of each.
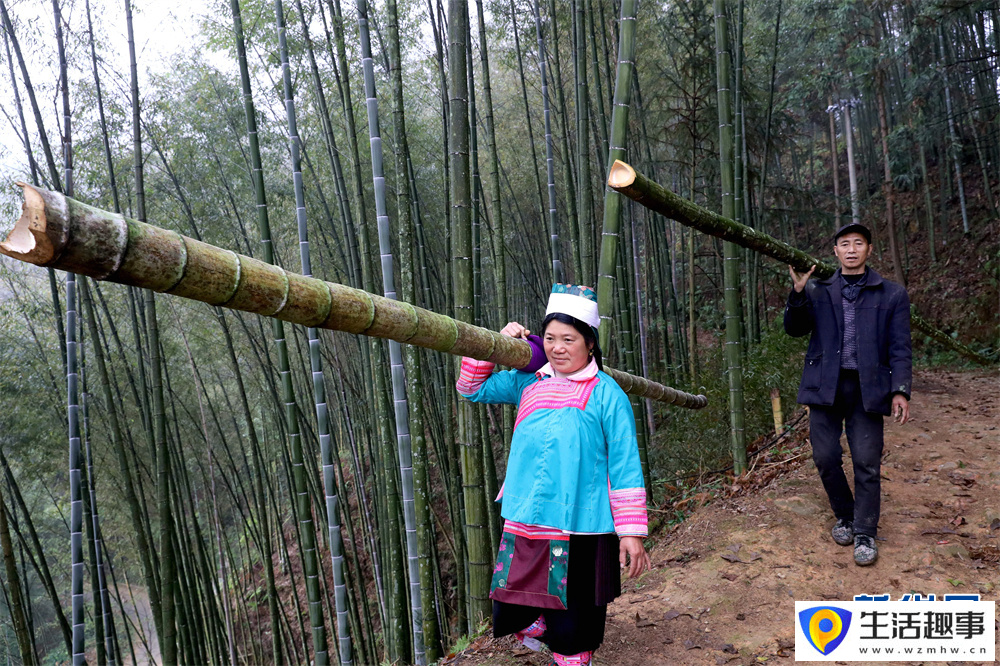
(843, 532)
(865, 550)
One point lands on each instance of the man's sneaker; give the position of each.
(843, 532)
(865, 550)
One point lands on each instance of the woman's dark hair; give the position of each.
(583, 328)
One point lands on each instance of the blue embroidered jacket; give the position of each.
(574, 458)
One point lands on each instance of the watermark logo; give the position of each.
(874, 627)
(825, 627)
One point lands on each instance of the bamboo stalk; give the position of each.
(15, 603)
(65, 234)
(557, 268)
(313, 570)
(732, 295)
(625, 179)
(607, 259)
(401, 413)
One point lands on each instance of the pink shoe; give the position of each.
(579, 659)
(529, 637)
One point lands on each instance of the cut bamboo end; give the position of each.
(28, 241)
(622, 175)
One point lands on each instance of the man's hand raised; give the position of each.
(799, 280)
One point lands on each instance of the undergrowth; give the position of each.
(689, 442)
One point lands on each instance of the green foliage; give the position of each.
(691, 442)
(465, 640)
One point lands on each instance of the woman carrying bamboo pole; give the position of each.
(574, 495)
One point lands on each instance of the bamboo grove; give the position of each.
(392, 181)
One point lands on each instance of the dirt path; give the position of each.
(940, 495)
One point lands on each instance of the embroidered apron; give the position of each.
(531, 572)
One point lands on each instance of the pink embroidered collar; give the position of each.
(587, 372)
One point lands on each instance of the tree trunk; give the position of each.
(955, 148)
(888, 190)
(851, 168)
(831, 111)
(16, 604)
(928, 206)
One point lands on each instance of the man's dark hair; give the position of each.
(583, 328)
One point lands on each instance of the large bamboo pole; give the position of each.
(59, 232)
(625, 179)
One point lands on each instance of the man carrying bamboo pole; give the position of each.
(857, 370)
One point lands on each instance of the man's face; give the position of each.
(852, 252)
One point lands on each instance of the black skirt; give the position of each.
(593, 581)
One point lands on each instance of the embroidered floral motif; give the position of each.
(558, 570)
(504, 556)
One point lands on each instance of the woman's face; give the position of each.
(566, 348)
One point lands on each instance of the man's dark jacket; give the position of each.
(882, 319)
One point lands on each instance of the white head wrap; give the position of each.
(575, 301)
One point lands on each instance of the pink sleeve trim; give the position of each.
(628, 508)
(473, 375)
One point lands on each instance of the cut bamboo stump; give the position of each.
(779, 417)
(58, 232)
(626, 180)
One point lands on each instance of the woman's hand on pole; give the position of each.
(638, 560)
(515, 330)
